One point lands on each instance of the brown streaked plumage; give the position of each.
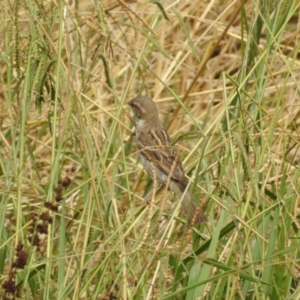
(158, 156)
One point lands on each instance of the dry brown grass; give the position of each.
(194, 60)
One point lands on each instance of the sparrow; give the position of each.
(159, 159)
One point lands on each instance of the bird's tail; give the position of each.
(193, 211)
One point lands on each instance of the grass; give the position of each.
(225, 76)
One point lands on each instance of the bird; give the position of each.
(159, 159)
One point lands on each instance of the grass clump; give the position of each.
(224, 75)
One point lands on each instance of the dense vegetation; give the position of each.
(225, 76)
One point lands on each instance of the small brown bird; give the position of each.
(157, 156)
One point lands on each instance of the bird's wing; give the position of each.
(155, 145)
